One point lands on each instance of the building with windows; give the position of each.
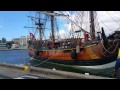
(16, 41)
(23, 40)
(3, 46)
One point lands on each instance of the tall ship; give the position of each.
(79, 47)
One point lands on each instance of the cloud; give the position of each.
(109, 16)
(62, 33)
(110, 20)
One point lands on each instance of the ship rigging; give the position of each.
(92, 48)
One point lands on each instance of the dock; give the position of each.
(10, 71)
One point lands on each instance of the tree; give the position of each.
(9, 44)
(3, 40)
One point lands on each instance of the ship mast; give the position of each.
(39, 28)
(92, 26)
(52, 27)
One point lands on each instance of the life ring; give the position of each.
(73, 54)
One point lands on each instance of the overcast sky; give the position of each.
(109, 20)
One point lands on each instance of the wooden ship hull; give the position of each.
(90, 55)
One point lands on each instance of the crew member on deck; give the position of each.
(80, 43)
(86, 36)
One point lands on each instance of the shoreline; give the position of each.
(11, 49)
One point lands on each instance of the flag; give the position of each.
(31, 35)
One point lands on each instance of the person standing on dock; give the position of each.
(117, 65)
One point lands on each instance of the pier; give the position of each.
(10, 71)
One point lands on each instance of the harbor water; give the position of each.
(19, 57)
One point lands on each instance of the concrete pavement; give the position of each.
(10, 71)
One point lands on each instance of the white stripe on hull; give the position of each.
(104, 66)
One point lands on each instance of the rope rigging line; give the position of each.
(45, 60)
(116, 16)
(97, 23)
(45, 21)
(112, 18)
(104, 23)
(110, 47)
(75, 23)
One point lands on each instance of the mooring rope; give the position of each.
(110, 47)
(44, 61)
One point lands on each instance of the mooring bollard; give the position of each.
(26, 68)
